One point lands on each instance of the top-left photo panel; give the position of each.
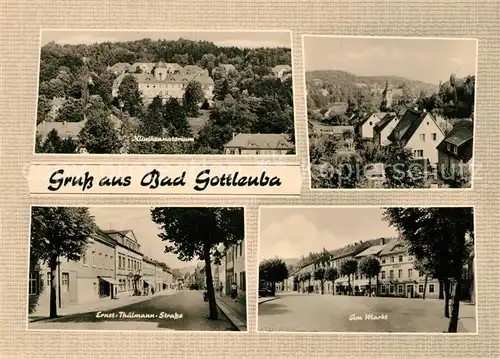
(165, 93)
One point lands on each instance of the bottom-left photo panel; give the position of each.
(137, 268)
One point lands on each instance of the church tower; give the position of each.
(387, 100)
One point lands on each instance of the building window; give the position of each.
(391, 274)
(111, 263)
(65, 282)
(391, 289)
(455, 149)
(100, 260)
(400, 273)
(106, 262)
(93, 259)
(400, 258)
(383, 274)
(383, 260)
(410, 272)
(33, 283)
(400, 289)
(420, 288)
(84, 259)
(418, 153)
(448, 147)
(422, 137)
(128, 263)
(431, 288)
(434, 136)
(48, 280)
(382, 289)
(241, 249)
(392, 259)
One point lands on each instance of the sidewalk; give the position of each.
(235, 311)
(104, 304)
(266, 299)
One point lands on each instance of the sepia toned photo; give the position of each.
(137, 268)
(165, 92)
(405, 270)
(390, 113)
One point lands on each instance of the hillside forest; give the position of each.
(247, 99)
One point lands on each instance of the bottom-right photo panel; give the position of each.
(367, 269)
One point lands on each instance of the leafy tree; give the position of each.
(332, 275)
(319, 274)
(99, 134)
(296, 282)
(129, 97)
(306, 277)
(442, 239)
(272, 271)
(175, 118)
(71, 111)
(421, 268)
(59, 233)
(370, 267)
(55, 144)
(193, 95)
(348, 268)
(43, 109)
(193, 232)
(401, 171)
(52, 89)
(151, 123)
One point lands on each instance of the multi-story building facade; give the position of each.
(128, 261)
(258, 144)
(166, 80)
(89, 279)
(399, 278)
(233, 268)
(148, 275)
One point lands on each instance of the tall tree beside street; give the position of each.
(442, 239)
(273, 271)
(348, 268)
(332, 275)
(319, 274)
(193, 95)
(306, 277)
(197, 232)
(57, 233)
(370, 267)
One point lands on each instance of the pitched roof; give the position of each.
(408, 124)
(373, 250)
(64, 129)
(335, 129)
(278, 68)
(379, 126)
(394, 246)
(174, 78)
(379, 115)
(461, 136)
(260, 141)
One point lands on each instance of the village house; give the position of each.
(89, 279)
(360, 282)
(455, 151)
(384, 128)
(418, 131)
(148, 275)
(364, 126)
(129, 261)
(258, 144)
(235, 268)
(282, 71)
(167, 81)
(337, 132)
(399, 278)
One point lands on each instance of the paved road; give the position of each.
(158, 313)
(329, 313)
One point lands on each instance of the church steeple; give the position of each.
(387, 100)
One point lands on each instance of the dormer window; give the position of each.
(455, 149)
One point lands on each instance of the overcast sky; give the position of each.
(138, 219)
(220, 38)
(427, 60)
(291, 232)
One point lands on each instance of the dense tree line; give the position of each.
(247, 98)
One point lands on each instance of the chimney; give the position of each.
(234, 135)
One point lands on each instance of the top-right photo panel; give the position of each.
(390, 113)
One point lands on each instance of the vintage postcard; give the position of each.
(137, 268)
(165, 92)
(390, 113)
(405, 270)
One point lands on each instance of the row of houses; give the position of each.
(111, 267)
(398, 276)
(231, 269)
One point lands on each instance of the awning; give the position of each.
(109, 280)
(148, 282)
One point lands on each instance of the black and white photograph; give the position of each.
(390, 113)
(404, 270)
(137, 268)
(165, 92)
